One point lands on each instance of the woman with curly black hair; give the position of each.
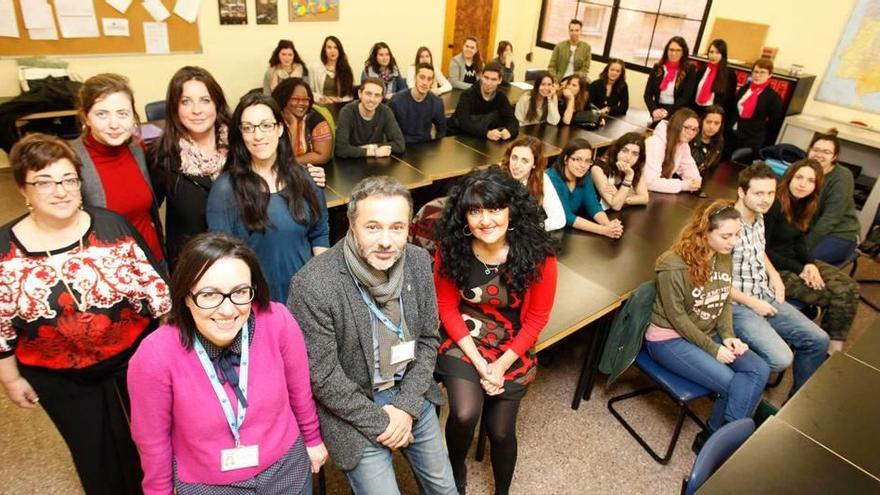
(495, 275)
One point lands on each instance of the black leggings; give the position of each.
(466, 400)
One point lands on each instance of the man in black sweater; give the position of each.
(483, 111)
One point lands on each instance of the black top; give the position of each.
(475, 116)
(724, 100)
(762, 128)
(684, 90)
(785, 243)
(617, 102)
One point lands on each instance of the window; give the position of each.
(633, 30)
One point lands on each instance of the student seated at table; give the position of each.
(424, 56)
(691, 331)
(576, 191)
(571, 56)
(806, 278)
(465, 68)
(715, 81)
(332, 80)
(284, 63)
(485, 112)
(758, 116)
(308, 130)
(524, 160)
(366, 127)
(610, 93)
(707, 147)
(539, 105)
(418, 111)
(833, 235)
(574, 92)
(619, 175)
(669, 166)
(671, 82)
(504, 56)
(381, 64)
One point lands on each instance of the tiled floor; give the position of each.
(561, 451)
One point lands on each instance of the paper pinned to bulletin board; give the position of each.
(313, 10)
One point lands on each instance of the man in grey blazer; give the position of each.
(368, 310)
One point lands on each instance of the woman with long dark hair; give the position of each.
(716, 82)
(381, 64)
(424, 56)
(465, 68)
(265, 198)
(184, 162)
(504, 56)
(574, 94)
(669, 165)
(541, 104)
(332, 80)
(691, 330)
(284, 63)
(495, 274)
(619, 175)
(671, 81)
(524, 160)
(707, 147)
(610, 93)
(806, 278)
(309, 132)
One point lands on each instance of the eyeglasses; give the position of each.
(690, 128)
(822, 152)
(210, 299)
(71, 184)
(248, 128)
(577, 159)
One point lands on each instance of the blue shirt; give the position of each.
(415, 118)
(284, 247)
(583, 198)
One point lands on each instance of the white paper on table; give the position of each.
(156, 37)
(522, 85)
(36, 14)
(8, 22)
(188, 10)
(78, 27)
(120, 5)
(49, 33)
(74, 8)
(156, 10)
(115, 26)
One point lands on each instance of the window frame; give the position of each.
(604, 55)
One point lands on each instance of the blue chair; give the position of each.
(677, 388)
(155, 110)
(720, 446)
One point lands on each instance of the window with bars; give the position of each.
(633, 30)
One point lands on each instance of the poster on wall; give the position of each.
(313, 10)
(233, 11)
(267, 11)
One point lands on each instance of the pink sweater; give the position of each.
(655, 151)
(175, 412)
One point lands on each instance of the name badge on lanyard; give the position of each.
(240, 456)
(404, 351)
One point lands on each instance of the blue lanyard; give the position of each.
(232, 420)
(380, 315)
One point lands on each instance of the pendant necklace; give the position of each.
(488, 269)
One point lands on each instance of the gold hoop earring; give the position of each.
(29, 206)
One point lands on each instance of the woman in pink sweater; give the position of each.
(221, 396)
(669, 166)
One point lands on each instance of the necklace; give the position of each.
(80, 303)
(488, 270)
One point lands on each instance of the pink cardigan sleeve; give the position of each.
(296, 369)
(538, 304)
(448, 298)
(686, 166)
(654, 153)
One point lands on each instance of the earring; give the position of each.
(510, 229)
(28, 205)
(467, 231)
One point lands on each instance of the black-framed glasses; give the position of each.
(265, 126)
(46, 186)
(210, 299)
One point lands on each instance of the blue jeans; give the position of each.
(774, 337)
(739, 384)
(374, 474)
(834, 250)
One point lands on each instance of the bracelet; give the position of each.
(626, 184)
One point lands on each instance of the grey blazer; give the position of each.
(336, 324)
(457, 68)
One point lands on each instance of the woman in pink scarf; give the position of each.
(671, 82)
(758, 116)
(715, 82)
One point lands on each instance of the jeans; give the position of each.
(374, 474)
(739, 384)
(834, 250)
(770, 337)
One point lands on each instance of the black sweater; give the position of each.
(617, 102)
(476, 116)
(785, 246)
(761, 129)
(684, 90)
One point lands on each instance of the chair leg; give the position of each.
(322, 482)
(587, 377)
(776, 381)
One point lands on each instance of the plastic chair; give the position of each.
(720, 446)
(155, 110)
(329, 118)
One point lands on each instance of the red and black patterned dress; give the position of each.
(496, 319)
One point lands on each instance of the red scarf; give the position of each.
(671, 71)
(748, 106)
(706, 90)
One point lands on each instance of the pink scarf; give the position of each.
(748, 106)
(193, 161)
(671, 71)
(706, 90)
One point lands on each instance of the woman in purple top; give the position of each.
(221, 398)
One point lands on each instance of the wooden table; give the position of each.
(344, 173)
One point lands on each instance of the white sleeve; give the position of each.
(522, 108)
(443, 84)
(552, 207)
(411, 76)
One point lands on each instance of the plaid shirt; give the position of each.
(749, 271)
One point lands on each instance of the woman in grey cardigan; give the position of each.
(466, 66)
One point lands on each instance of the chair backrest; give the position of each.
(155, 110)
(532, 74)
(720, 446)
(329, 118)
(421, 231)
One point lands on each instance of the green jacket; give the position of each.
(837, 210)
(626, 334)
(696, 313)
(559, 59)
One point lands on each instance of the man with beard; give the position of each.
(761, 317)
(368, 310)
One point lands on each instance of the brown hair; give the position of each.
(757, 170)
(419, 55)
(580, 101)
(502, 45)
(100, 86)
(608, 163)
(197, 256)
(831, 136)
(535, 184)
(692, 244)
(373, 80)
(673, 133)
(478, 59)
(764, 63)
(800, 211)
(620, 84)
(37, 151)
(683, 67)
(535, 97)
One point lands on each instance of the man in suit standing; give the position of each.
(368, 310)
(571, 56)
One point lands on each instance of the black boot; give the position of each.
(700, 440)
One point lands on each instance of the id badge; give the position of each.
(403, 352)
(239, 457)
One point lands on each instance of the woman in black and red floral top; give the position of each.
(79, 289)
(495, 275)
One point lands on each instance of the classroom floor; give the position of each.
(561, 451)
